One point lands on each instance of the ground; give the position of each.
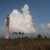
(25, 44)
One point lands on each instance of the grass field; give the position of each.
(25, 44)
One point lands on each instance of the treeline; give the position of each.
(25, 43)
(39, 36)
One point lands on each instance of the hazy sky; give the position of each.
(39, 11)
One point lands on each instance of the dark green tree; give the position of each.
(45, 37)
(22, 33)
(39, 36)
(14, 32)
(19, 33)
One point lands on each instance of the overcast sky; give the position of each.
(38, 13)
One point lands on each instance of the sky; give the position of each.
(39, 11)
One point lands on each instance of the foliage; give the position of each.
(39, 36)
(24, 44)
(22, 33)
(19, 33)
(45, 37)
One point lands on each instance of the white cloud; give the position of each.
(21, 21)
(42, 26)
(46, 28)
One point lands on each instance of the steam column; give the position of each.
(7, 27)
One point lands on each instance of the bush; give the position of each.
(39, 36)
(45, 37)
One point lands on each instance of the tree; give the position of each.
(15, 32)
(39, 36)
(45, 37)
(22, 33)
(19, 33)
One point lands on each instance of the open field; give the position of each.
(25, 44)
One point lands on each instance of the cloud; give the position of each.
(42, 26)
(46, 28)
(21, 21)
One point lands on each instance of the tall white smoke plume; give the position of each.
(21, 22)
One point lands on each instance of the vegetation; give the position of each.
(25, 44)
(19, 33)
(39, 36)
(45, 37)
